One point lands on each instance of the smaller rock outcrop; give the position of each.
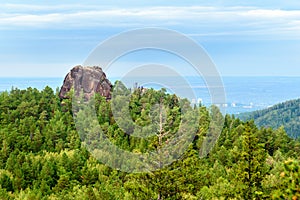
(89, 80)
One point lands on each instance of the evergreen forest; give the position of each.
(286, 113)
(42, 155)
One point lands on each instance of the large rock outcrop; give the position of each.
(89, 80)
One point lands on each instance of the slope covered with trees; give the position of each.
(285, 114)
(42, 157)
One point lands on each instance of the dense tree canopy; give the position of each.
(42, 157)
(284, 114)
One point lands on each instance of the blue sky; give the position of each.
(47, 38)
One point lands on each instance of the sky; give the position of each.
(243, 38)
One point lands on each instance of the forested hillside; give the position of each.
(41, 155)
(285, 114)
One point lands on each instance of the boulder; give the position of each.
(89, 80)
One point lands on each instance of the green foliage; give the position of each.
(41, 156)
(251, 167)
(289, 187)
(286, 114)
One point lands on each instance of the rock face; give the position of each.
(90, 80)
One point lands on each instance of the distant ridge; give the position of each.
(285, 114)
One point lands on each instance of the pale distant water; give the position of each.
(243, 94)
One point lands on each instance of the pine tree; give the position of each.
(251, 168)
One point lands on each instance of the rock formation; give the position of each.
(89, 80)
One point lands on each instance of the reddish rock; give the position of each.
(90, 80)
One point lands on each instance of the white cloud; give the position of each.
(203, 20)
(25, 8)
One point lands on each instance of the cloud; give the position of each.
(201, 20)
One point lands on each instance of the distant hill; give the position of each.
(285, 114)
